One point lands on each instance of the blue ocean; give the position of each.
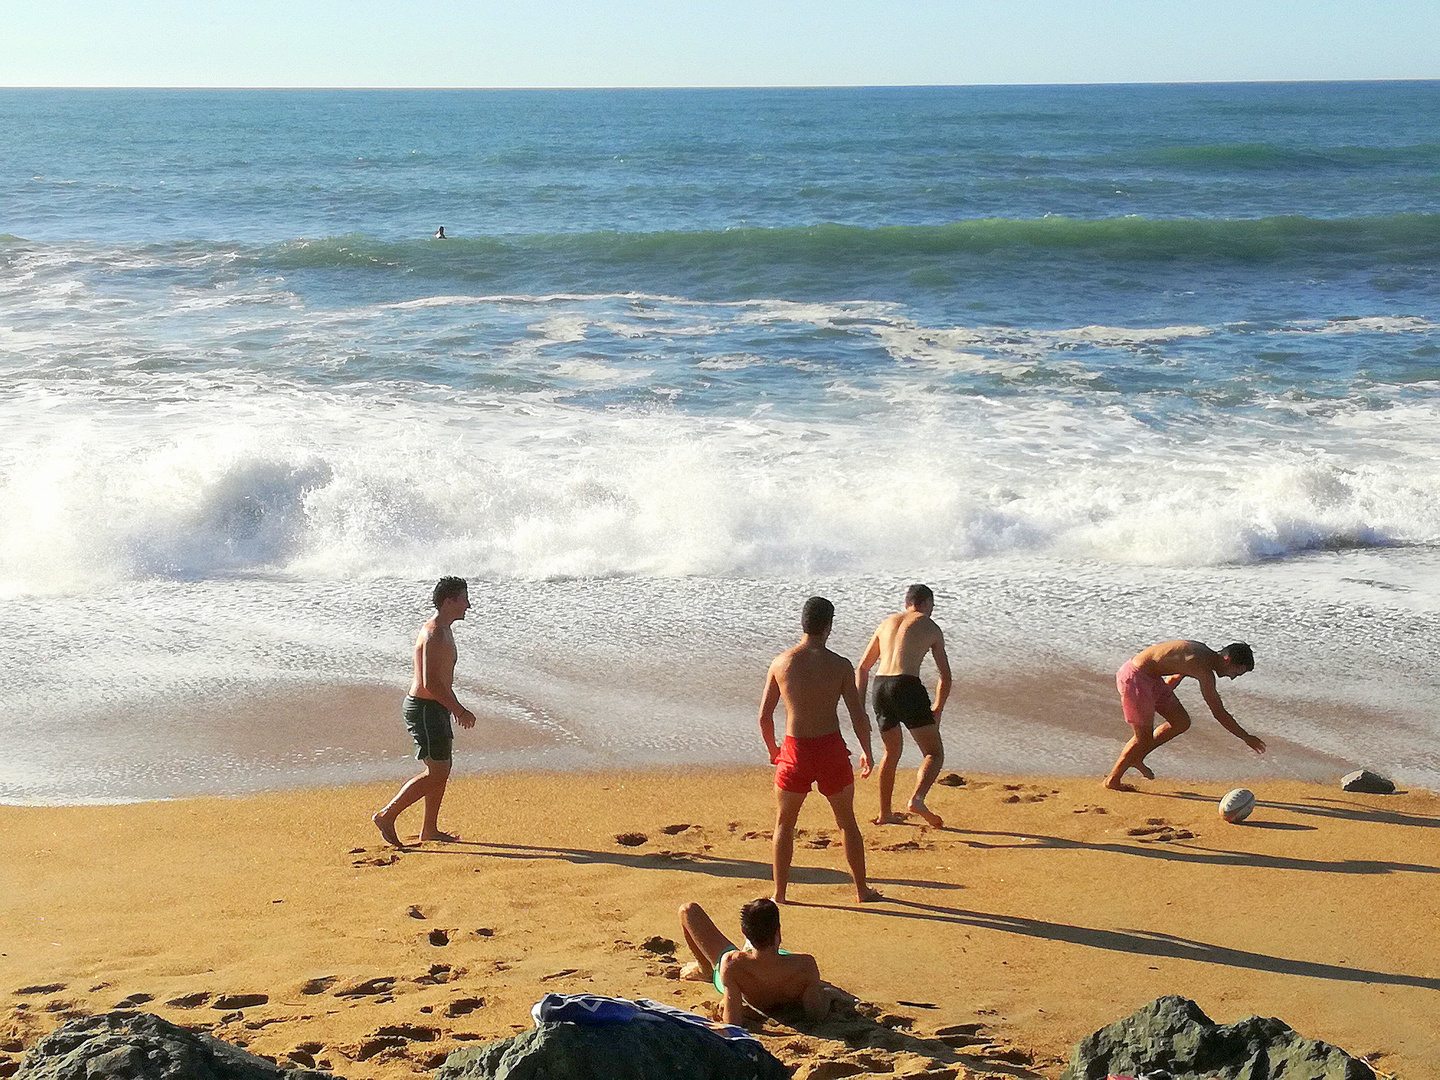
(1104, 365)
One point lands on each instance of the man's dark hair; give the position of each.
(447, 587)
(1240, 653)
(817, 615)
(760, 922)
(918, 594)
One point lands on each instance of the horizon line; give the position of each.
(725, 86)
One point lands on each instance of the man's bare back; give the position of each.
(811, 680)
(904, 639)
(1179, 657)
(771, 980)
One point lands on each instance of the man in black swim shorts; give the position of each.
(427, 712)
(899, 646)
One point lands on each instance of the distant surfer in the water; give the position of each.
(440, 234)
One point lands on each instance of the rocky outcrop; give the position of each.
(1171, 1037)
(635, 1051)
(1371, 783)
(140, 1046)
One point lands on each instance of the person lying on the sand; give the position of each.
(1147, 685)
(811, 680)
(759, 972)
(899, 645)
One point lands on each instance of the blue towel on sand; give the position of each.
(598, 1010)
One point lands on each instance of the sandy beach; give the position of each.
(1044, 910)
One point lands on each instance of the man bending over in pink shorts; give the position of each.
(1147, 686)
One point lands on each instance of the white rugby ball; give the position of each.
(1237, 804)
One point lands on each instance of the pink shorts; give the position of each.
(823, 761)
(1141, 693)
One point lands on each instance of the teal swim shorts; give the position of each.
(429, 725)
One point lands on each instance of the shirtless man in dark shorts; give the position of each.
(900, 644)
(428, 709)
(811, 680)
(759, 972)
(1147, 685)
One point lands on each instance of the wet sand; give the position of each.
(1045, 909)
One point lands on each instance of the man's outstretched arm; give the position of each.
(861, 722)
(867, 661)
(942, 665)
(816, 1002)
(768, 701)
(1211, 694)
(439, 671)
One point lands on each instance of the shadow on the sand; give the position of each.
(863, 1035)
(1324, 806)
(696, 863)
(1177, 851)
(1144, 943)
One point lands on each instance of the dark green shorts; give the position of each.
(429, 725)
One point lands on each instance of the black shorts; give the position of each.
(901, 699)
(429, 725)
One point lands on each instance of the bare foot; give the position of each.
(1117, 786)
(441, 837)
(891, 818)
(931, 818)
(1145, 771)
(387, 830)
(869, 895)
(779, 898)
(693, 972)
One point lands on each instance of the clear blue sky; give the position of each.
(709, 42)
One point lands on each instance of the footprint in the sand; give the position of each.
(134, 1001)
(631, 839)
(759, 834)
(382, 984)
(41, 988)
(1158, 830)
(436, 976)
(414, 912)
(439, 937)
(189, 1001)
(231, 1002)
(658, 944)
(671, 830)
(379, 860)
(905, 845)
(319, 984)
(464, 1006)
(409, 1032)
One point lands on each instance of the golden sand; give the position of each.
(1045, 909)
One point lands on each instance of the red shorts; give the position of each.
(1140, 694)
(823, 761)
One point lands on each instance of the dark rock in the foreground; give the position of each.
(141, 1046)
(633, 1051)
(1173, 1038)
(1370, 783)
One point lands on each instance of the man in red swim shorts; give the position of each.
(1147, 685)
(811, 680)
